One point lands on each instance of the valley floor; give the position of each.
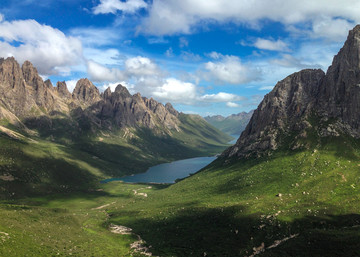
(301, 204)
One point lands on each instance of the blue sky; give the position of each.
(206, 56)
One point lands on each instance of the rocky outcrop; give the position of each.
(287, 109)
(48, 84)
(62, 90)
(127, 110)
(24, 94)
(339, 93)
(13, 90)
(86, 92)
(41, 92)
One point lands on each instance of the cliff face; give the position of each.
(287, 109)
(24, 94)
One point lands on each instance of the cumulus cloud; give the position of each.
(70, 84)
(141, 66)
(266, 44)
(112, 6)
(100, 73)
(221, 97)
(334, 29)
(183, 16)
(49, 49)
(232, 105)
(176, 91)
(229, 69)
(113, 86)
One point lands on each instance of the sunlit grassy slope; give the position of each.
(303, 203)
(310, 199)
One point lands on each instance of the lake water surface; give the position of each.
(167, 172)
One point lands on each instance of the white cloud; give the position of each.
(113, 86)
(141, 66)
(230, 70)
(183, 16)
(266, 44)
(1, 17)
(221, 97)
(333, 29)
(112, 6)
(99, 73)
(49, 49)
(70, 84)
(176, 91)
(267, 88)
(232, 105)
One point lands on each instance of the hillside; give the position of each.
(233, 124)
(54, 140)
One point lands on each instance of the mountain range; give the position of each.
(233, 124)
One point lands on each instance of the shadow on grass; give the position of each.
(226, 232)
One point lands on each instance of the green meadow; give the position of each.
(298, 203)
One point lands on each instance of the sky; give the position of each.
(206, 57)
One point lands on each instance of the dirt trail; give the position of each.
(262, 248)
(137, 246)
(142, 194)
(103, 206)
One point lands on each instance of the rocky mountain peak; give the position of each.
(48, 84)
(86, 92)
(107, 93)
(121, 90)
(62, 89)
(171, 109)
(41, 92)
(282, 110)
(31, 76)
(287, 108)
(10, 73)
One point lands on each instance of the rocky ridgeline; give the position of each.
(24, 95)
(332, 98)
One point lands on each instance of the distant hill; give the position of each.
(233, 124)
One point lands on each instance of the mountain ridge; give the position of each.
(332, 97)
(233, 124)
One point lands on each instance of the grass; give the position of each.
(308, 199)
(220, 211)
